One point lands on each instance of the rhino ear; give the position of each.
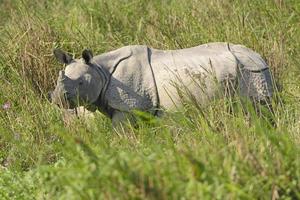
(62, 56)
(87, 56)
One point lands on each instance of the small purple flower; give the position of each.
(6, 106)
(17, 136)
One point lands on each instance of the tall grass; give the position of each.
(190, 153)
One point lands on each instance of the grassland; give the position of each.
(187, 154)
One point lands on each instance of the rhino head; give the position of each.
(80, 83)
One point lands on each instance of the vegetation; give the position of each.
(187, 154)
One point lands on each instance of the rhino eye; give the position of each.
(80, 82)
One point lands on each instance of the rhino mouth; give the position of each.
(70, 102)
(64, 100)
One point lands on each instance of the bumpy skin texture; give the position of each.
(255, 80)
(256, 85)
(138, 77)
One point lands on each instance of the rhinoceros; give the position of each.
(151, 80)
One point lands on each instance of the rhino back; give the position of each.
(194, 71)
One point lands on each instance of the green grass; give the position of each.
(187, 154)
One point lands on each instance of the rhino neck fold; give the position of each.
(127, 60)
(101, 102)
(106, 65)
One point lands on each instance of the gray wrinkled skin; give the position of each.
(138, 77)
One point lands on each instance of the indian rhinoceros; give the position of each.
(147, 79)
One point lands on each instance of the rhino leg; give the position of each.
(119, 118)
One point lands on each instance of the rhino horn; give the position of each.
(61, 75)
